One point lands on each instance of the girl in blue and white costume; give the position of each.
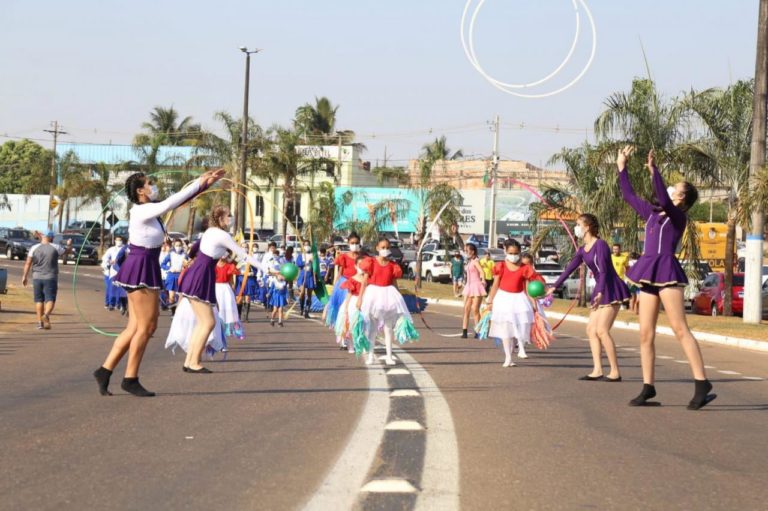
(250, 293)
(140, 275)
(198, 289)
(173, 263)
(306, 281)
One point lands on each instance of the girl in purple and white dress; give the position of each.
(660, 277)
(140, 275)
(609, 294)
(198, 287)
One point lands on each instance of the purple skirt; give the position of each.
(141, 269)
(615, 292)
(661, 270)
(199, 281)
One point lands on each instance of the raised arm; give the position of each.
(226, 240)
(643, 208)
(155, 209)
(575, 262)
(665, 201)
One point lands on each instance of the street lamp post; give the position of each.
(240, 203)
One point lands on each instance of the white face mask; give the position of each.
(513, 258)
(307, 249)
(119, 243)
(354, 247)
(671, 190)
(154, 193)
(178, 250)
(384, 252)
(578, 231)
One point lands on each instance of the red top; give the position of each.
(353, 286)
(380, 275)
(224, 273)
(513, 281)
(346, 262)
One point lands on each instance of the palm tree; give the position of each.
(316, 124)
(724, 150)
(282, 162)
(399, 174)
(73, 180)
(165, 121)
(438, 150)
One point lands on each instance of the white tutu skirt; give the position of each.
(382, 306)
(346, 318)
(184, 322)
(511, 317)
(226, 304)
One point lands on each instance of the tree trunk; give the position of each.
(583, 286)
(191, 221)
(61, 216)
(730, 242)
(101, 231)
(422, 237)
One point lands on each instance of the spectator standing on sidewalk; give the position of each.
(486, 263)
(43, 260)
(457, 273)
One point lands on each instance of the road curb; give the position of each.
(737, 342)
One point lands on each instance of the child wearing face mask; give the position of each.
(381, 303)
(511, 307)
(173, 262)
(345, 268)
(306, 280)
(247, 276)
(278, 299)
(226, 303)
(348, 313)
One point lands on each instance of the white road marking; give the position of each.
(440, 483)
(628, 349)
(664, 357)
(404, 426)
(709, 367)
(728, 372)
(404, 393)
(340, 488)
(753, 378)
(681, 361)
(388, 486)
(398, 372)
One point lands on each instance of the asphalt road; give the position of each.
(287, 420)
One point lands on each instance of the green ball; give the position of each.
(289, 271)
(535, 289)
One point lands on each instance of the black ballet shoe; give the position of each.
(185, 369)
(587, 377)
(648, 392)
(701, 396)
(202, 370)
(132, 386)
(464, 334)
(102, 375)
(612, 380)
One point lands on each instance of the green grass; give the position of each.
(15, 307)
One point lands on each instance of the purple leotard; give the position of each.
(607, 282)
(658, 266)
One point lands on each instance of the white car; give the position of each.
(434, 267)
(570, 288)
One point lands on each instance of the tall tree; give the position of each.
(165, 122)
(724, 149)
(25, 167)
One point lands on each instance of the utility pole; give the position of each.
(56, 132)
(754, 259)
(240, 202)
(338, 156)
(494, 176)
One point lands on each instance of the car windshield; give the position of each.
(20, 233)
(76, 240)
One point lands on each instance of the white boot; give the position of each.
(521, 349)
(388, 337)
(507, 353)
(370, 359)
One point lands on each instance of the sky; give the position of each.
(395, 68)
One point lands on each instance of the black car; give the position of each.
(89, 254)
(16, 242)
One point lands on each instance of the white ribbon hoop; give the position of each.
(469, 50)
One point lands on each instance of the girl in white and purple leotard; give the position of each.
(609, 293)
(140, 275)
(661, 278)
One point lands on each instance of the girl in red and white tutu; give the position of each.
(347, 315)
(511, 307)
(381, 303)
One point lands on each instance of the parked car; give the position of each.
(16, 242)
(711, 296)
(89, 254)
(409, 252)
(88, 228)
(286, 241)
(497, 254)
(434, 267)
(478, 240)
